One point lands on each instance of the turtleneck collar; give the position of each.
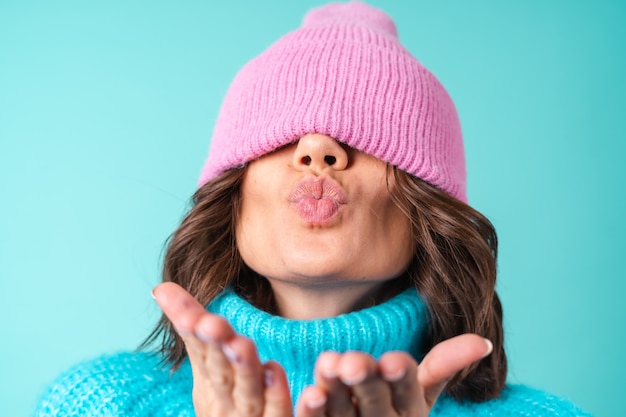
(397, 324)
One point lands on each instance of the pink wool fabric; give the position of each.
(345, 74)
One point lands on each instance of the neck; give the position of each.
(398, 324)
(307, 302)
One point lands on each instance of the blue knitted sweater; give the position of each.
(137, 385)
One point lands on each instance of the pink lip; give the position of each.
(317, 200)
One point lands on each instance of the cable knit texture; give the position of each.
(136, 385)
(345, 74)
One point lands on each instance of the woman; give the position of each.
(330, 263)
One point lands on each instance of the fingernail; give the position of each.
(327, 363)
(152, 293)
(203, 337)
(489, 347)
(230, 354)
(315, 403)
(355, 379)
(329, 373)
(395, 377)
(269, 377)
(181, 332)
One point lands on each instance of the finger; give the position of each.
(232, 366)
(312, 402)
(193, 323)
(213, 329)
(203, 395)
(203, 334)
(339, 397)
(179, 306)
(371, 393)
(216, 367)
(446, 359)
(277, 396)
(184, 312)
(248, 385)
(399, 369)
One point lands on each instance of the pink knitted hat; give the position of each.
(345, 74)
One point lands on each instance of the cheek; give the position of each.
(251, 244)
(247, 228)
(399, 237)
(404, 242)
(388, 233)
(257, 229)
(398, 230)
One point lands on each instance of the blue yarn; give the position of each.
(137, 385)
(296, 344)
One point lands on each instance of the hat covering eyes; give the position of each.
(345, 74)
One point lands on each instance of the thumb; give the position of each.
(446, 359)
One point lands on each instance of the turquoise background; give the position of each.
(106, 110)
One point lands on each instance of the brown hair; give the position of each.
(453, 270)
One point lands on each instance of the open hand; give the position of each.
(353, 384)
(228, 378)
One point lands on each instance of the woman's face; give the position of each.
(319, 213)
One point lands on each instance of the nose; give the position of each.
(319, 152)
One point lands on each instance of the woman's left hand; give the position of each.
(354, 384)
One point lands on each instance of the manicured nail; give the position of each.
(181, 332)
(230, 354)
(396, 376)
(268, 377)
(329, 373)
(355, 379)
(327, 363)
(315, 403)
(203, 337)
(489, 347)
(152, 293)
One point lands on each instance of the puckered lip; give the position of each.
(318, 188)
(317, 199)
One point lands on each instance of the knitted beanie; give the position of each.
(344, 74)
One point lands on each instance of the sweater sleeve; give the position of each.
(122, 385)
(514, 401)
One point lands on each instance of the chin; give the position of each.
(312, 275)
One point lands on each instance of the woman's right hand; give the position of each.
(228, 378)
